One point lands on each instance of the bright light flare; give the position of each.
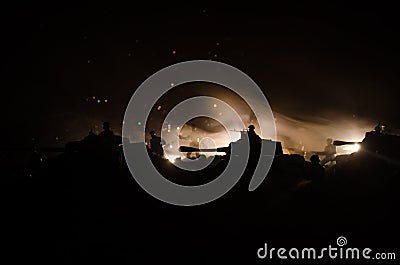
(171, 159)
(352, 148)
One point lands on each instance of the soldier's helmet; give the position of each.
(251, 127)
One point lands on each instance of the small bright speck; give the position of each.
(215, 105)
(139, 123)
(98, 101)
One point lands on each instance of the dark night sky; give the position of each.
(330, 62)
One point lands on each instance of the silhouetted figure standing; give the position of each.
(106, 130)
(255, 144)
(107, 139)
(330, 152)
(253, 137)
(155, 144)
(378, 128)
(255, 150)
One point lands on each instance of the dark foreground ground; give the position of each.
(75, 209)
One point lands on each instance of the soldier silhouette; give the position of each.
(255, 150)
(378, 128)
(329, 152)
(106, 130)
(107, 138)
(253, 137)
(156, 144)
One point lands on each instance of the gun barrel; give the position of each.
(340, 143)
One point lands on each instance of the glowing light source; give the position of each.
(352, 148)
(171, 159)
(98, 101)
(139, 123)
